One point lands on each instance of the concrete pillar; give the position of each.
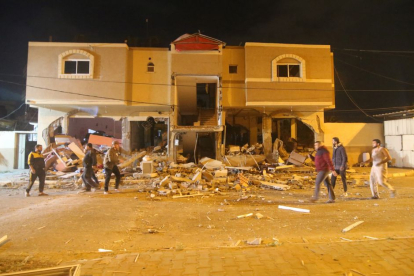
(293, 129)
(218, 145)
(253, 129)
(65, 124)
(126, 134)
(267, 134)
(279, 129)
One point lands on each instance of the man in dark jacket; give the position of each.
(88, 174)
(324, 166)
(339, 159)
(36, 162)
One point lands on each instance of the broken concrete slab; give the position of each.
(275, 186)
(76, 150)
(254, 241)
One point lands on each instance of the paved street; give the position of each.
(381, 257)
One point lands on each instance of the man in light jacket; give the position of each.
(110, 164)
(339, 160)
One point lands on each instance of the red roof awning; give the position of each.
(197, 42)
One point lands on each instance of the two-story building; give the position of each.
(196, 97)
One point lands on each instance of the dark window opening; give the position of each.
(282, 71)
(150, 67)
(76, 67)
(288, 71)
(83, 67)
(233, 69)
(294, 71)
(70, 67)
(206, 95)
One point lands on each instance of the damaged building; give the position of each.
(195, 99)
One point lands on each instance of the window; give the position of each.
(232, 69)
(150, 67)
(76, 64)
(76, 67)
(288, 70)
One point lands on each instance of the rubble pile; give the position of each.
(244, 170)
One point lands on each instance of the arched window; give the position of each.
(76, 64)
(288, 68)
(150, 67)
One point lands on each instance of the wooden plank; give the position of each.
(102, 140)
(76, 150)
(294, 209)
(352, 226)
(3, 239)
(132, 160)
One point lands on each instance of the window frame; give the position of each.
(65, 56)
(302, 68)
(76, 60)
(288, 71)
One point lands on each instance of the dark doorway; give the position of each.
(206, 95)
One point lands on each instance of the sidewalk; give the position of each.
(381, 257)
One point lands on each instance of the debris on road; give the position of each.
(352, 226)
(294, 209)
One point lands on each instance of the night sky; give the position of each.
(348, 26)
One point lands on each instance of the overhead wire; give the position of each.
(12, 111)
(351, 99)
(374, 73)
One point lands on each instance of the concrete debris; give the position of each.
(254, 241)
(244, 170)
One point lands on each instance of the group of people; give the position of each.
(325, 166)
(37, 166)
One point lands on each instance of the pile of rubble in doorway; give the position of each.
(243, 169)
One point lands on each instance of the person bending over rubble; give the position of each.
(88, 174)
(323, 164)
(339, 159)
(36, 162)
(110, 165)
(379, 158)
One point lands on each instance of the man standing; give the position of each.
(324, 166)
(339, 159)
(110, 164)
(36, 162)
(88, 174)
(379, 158)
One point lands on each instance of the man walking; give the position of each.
(88, 174)
(339, 159)
(379, 158)
(110, 164)
(324, 166)
(36, 162)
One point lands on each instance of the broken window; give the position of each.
(150, 67)
(288, 71)
(77, 67)
(232, 69)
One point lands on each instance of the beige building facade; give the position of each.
(195, 97)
